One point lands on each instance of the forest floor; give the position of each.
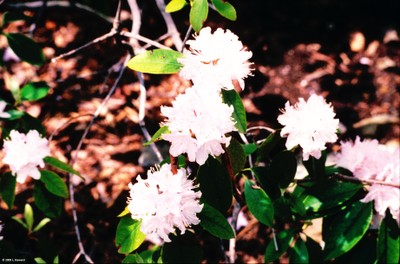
(347, 52)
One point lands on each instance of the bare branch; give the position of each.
(171, 27)
(39, 4)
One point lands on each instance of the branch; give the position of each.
(366, 182)
(39, 4)
(171, 27)
(136, 23)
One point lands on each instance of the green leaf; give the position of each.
(47, 202)
(25, 48)
(388, 241)
(215, 185)
(297, 205)
(41, 224)
(28, 215)
(343, 230)
(125, 212)
(225, 9)
(20, 222)
(182, 249)
(34, 91)
(128, 237)
(13, 16)
(299, 253)
(158, 135)
(157, 61)
(232, 98)
(316, 167)
(54, 183)
(236, 155)
(15, 114)
(133, 258)
(260, 205)
(283, 167)
(175, 5)
(320, 198)
(249, 148)
(268, 144)
(268, 182)
(215, 223)
(283, 240)
(198, 14)
(40, 260)
(61, 165)
(8, 182)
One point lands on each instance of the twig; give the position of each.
(38, 4)
(274, 239)
(187, 35)
(136, 22)
(82, 251)
(171, 27)
(112, 33)
(368, 182)
(75, 157)
(144, 39)
(232, 241)
(260, 128)
(69, 121)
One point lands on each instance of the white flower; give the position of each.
(369, 160)
(365, 159)
(164, 202)
(1, 229)
(384, 197)
(198, 123)
(2, 107)
(24, 152)
(218, 58)
(309, 124)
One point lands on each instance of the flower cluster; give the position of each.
(310, 124)
(164, 201)
(198, 123)
(198, 119)
(369, 160)
(216, 58)
(24, 153)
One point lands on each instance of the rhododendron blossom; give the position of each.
(218, 58)
(310, 124)
(3, 114)
(365, 159)
(198, 123)
(369, 160)
(163, 202)
(24, 153)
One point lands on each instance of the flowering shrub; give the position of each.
(214, 169)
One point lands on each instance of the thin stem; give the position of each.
(144, 39)
(368, 182)
(260, 128)
(38, 4)
(171, 27)
(136, 23)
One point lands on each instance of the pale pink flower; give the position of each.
(3, 114)
(369, 160)
(217, 58)
(24, 153)
(310, 124)
(164, 202)
(366, 159)
(198, 124)
(384, 197)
